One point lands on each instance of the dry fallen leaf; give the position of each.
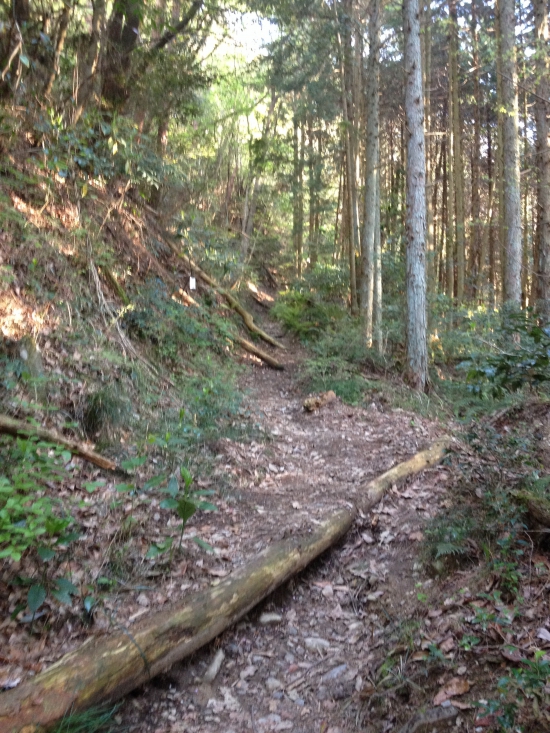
(454, 687)
(447, 644)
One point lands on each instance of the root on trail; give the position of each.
(105, 669)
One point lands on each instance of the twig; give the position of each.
(14, 53)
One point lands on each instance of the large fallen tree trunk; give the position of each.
(18, 428)
(104, 669)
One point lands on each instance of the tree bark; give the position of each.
(458, 164)
(297, 205)
(417, 348)
(476, 262)
(510, 149)
(350, 173)
(451, 229)
(542, 108)
(102, 670)
(59, 46)
(372, 173)
(89, 75)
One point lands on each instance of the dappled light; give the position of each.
(274, 367)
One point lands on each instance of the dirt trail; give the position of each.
(306, 659)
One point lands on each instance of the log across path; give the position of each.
(105, 669)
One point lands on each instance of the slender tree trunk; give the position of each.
(59, 46)
(337, 228)
(437, 230)
(89, 84)
(350, 174)
(451, 229)
(297, 223)
(446, 277)
(512, 210)
(253, 189)
(486, 234)
(499, 164)
(458, 164)
(476, 262)
(542, 109)
(378, 313)
(417, 352)
(426, 39)
(372, 173)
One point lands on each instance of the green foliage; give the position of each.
(493, 526)
(28, 517)
(305, 314)
(184, 502)
(94, 720)
(99, 146)
(521, 357)
(104, 410)
(173, 330)
(527, 685)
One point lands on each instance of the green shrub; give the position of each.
(28, 517)
(520, 357)
(305, 314)
(104, 410)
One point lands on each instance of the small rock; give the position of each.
(334, 673)
(270, 618)
(272, 684)
(248, 672)
(316, 644)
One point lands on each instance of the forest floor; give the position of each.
(364, 639)
(367, 638)
(373, 636)
(298, 660)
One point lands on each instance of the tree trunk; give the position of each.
(59, 46)
(451, 229)
(458, 164)
(542, 264)
(297, 211)
(426, 40)
(350, 173)
(510, 149)
(417, 350)
(476, 263)
(89, 74)
(372, 173)
(377, 329)
(105, 669)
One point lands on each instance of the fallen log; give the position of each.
(10, 426)
(104, 669)
(263, 355)
(231, 300)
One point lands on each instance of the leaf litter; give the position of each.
(361, 640)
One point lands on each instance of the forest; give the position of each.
(274, 366)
